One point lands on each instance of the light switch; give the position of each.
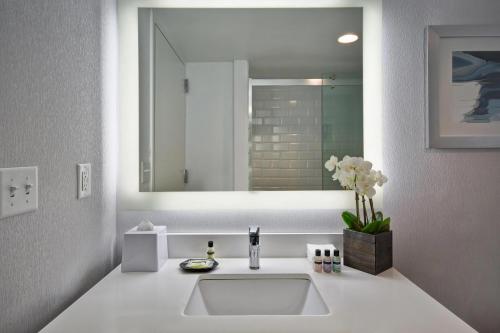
(84, 180)
(18, 190)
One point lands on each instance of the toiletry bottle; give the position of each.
(318, 262)
(210, 251)
(327, 262)
(336, 261)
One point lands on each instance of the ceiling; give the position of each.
(278, 43)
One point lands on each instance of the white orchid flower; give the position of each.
(355, 173)
(365, 189)
(380, 178)
(347, 179)
(331, 163)
(365, 166)
(365, 183)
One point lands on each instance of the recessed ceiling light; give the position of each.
(347, 38)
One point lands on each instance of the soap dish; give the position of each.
(199, 265)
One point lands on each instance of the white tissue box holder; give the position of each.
(144, 251)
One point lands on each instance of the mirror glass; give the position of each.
(248, 99)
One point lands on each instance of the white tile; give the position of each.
(284, 164)
(280, 146)
(266, 163)
(256, 155)
(279, 113)
(272, 121)
(263, 146)
(298, 146)
(280, 130)
(311, 164)
(270, 155)
(256, 163)
(262, 130)
(291, 173)
(306, 121)
(263, 113)
(313, 181)
(310, 172)
(297, 112)
(292, 155)
(306, 155)
(271, 172)
(299, 164)
(256, 172)
(314, 146)
(261, 94)
(291, 121)
(272, 104)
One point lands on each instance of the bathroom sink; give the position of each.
(255, 294)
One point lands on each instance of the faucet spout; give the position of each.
(254, 247)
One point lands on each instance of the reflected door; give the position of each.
(169, 117)
(342, 121)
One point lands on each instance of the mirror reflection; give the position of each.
(248, 99)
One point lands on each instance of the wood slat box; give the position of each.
(368, 253)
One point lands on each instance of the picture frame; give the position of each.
(462, 86)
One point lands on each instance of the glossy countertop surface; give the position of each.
(155, 302)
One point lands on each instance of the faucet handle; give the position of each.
(254, 233)
(254, 230)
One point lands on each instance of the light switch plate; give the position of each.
(18, 190)
(84, 180)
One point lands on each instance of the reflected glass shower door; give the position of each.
(342, 121)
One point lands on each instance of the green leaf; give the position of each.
(385, 225)
(376, 226)
(351, 221)
(372, 227)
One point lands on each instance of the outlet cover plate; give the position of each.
(84, 180)
(18, 190)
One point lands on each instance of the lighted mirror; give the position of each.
(248, 99)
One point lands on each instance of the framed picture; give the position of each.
(463, 87)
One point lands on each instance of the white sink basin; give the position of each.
(255, 294)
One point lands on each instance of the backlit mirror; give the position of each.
(248, 99)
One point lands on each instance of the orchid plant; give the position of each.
(354, 173)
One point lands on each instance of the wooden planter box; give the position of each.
(368, 253)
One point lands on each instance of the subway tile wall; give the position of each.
(286, 138)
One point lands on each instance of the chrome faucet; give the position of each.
(254, 246)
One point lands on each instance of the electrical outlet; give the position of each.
(18, 190)
(84, 180)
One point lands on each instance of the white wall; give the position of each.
(209, 126)
(241, 124)
(57, 108)
(145, 33)
(444, 204)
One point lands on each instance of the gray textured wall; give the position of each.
(444, 203)
(56, 100)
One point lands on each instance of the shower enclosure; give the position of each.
(296, 124)
(341, 121)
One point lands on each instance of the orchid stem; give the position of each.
(357, 206)
(365, 214)
(374, 217)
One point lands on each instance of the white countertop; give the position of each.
(155, 302)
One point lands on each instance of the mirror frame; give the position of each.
(129, 197)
